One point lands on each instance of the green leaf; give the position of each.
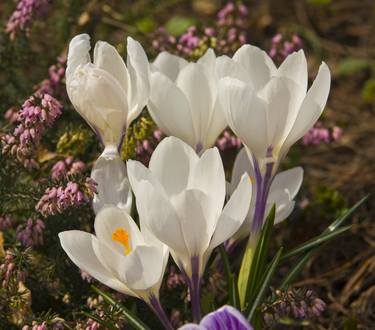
(135, 322)
(234, 298)
(177, 25)
(107, 325)
(318, 240)
(257, 264)
(331, 231)
(351, 65)
(319, 2)
(264, 284)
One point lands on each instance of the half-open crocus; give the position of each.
(121, 256)
(183, 99)
(225, 318)
(109, 95)
(283, 190)
(269, 110)
(181, 198)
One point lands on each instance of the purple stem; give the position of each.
(160, 313)
(194, 284)
(263, 187)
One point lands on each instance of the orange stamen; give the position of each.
(122, 236)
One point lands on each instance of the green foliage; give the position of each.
(177, 25)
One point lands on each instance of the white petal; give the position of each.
(143, 269)
(109, 172)
(100, 100)
(78, 246)
(282, 108)
(79, 48)
(312, 106)
(234, 213)
(289, 180)
(194, 83)
(138, 172)
(168, 64)
(208, 176)
(245, 113)
(160, 217)
(294, 67)
(216, 125)
(139, 71)
(170, 109)
(106, 57)
(242, 164)
(256, 63)
(196, 219)
(227, 67)
(171, 164)
(110, 219)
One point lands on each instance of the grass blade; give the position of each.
(135, 322)
(265, 283)
(105, 324)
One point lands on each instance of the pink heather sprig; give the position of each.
(36, 115)
(146, 147)
(54, 84)
(58, 199)
(26, 11)
(228, 141)
(281, 48)
(31, 233)
(174, 279)
(66, 167)
(320, 134)
(8, 269)
(5, 222)
(11, 115)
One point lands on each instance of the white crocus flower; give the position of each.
(183, 99)
(269, 108)
(109, 95)
(283, 190)
(121, 256)
(181, 198)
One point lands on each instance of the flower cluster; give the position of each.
(228, 141)
(66, 167)
(24, 14)
(281, 48)
(225, 36)
(31, 233)
(54, 85)
(295, 304)
(145, 148)
(5, 222)
(320, 134)
(37, 114)
(8, 270)
(58, 199)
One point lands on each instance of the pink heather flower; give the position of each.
(24, 14)
(8, 269)
(281, 48)
(5, 222)
(145, 148)
(67, 167)
(58, 199)
(228, 141)
(92, 325)
(86, 276)
(11, 115)
(319, 134)
(54, 84)
(174, 279)
(31, 233)
(37, 114)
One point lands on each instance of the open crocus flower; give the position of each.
(181, 198)
(183, 99)
(269, 108)
(224, 318)
(121, 256)
(283, 190)
(107, 93)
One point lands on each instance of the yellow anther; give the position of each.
(122, 236)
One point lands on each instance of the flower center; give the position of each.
(122, 236)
